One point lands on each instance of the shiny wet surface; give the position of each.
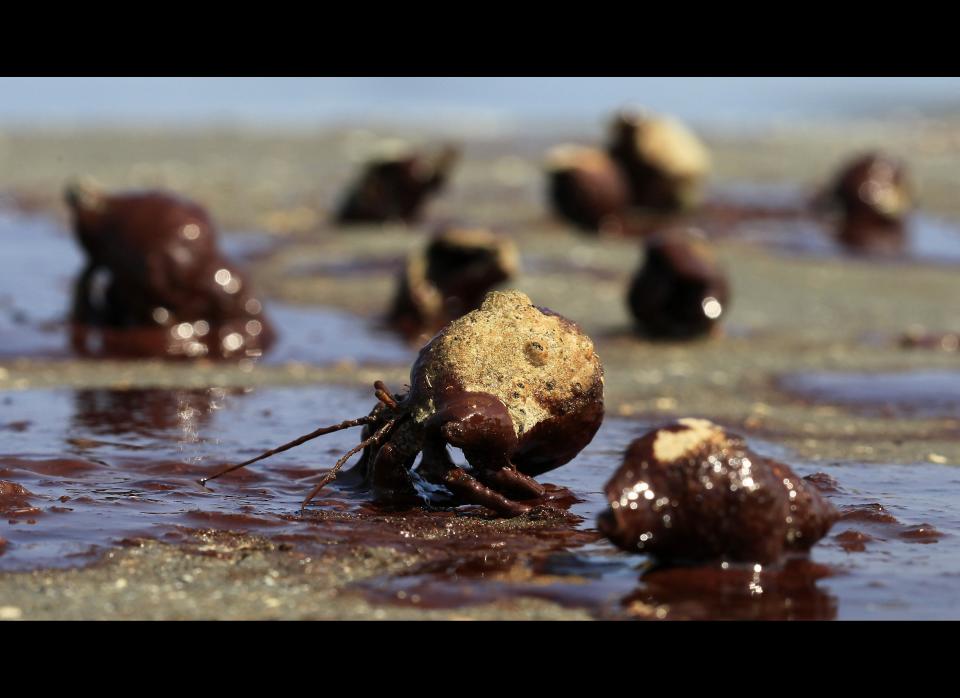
(906, 393)
(928, 239)
(780, 218)
(40, 261)
(85, 470)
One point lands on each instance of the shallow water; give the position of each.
(40, 261)
(102, 466)
(918, 393)
(778, 217)
(928, 239)
(322, 336)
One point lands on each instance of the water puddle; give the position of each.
(40, 261)
(913, 393)
(367, 266)
(322, 336)
(778, 217)
(84, 470)
(248, 245)
(929, 240)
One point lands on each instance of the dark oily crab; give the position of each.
(874, 195)
(587, 187)
(689, 491)
(665, 163)
(396, 185)
(155, 282)
(874, 182)
(449, 278)
(681, 291)
(516, 387)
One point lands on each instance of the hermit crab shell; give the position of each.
(124, 230)
(877, 183)
(586, 186)
(541, 366)
(664, 144)
(665, 161)
(691, 491)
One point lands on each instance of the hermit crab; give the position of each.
(155, 281)
(450, 277)
(681, 291)
(518, 388)
(874, 195)
(587, 187)
(665, 162)
(397, 184)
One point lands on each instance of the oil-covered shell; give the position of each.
(874, 182)
(689, 491)
(665, 162)
(586, 187)
(396, 186)
(168, 290)
(681, 291)
(450, 277)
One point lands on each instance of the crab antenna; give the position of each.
(296, 442)
(332, 474)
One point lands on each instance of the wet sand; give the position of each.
(124, 441)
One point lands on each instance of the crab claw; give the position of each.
(478, 424)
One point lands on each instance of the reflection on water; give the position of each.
(147, 412)
(789, 591)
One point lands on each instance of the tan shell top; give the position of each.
(671, 147)
(884, 191)
(700, 434)
(506, 249)
(427, 295)
(568, 156)
(531, 361)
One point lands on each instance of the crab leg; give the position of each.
(438, 467)
(469, 488)
(332, 474)
(389, 475)
(510, 481)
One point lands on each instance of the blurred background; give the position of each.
(477, 102)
